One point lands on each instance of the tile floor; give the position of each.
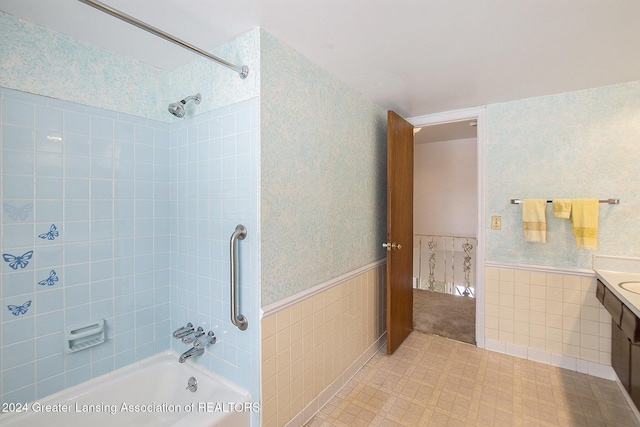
(433, 381)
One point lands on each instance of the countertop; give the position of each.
(612, 280)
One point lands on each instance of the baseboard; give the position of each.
(328, 393)
(583, 366)
(632, 405)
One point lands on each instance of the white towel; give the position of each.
(534, 221)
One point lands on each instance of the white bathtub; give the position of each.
(152, 392)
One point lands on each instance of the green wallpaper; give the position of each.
(220, 86)
(323, 174)
(40, 61)
(571, 145)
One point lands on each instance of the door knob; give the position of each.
(391, 246)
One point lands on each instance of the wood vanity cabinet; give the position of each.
(630, 325)
(625, 341)
(634, 386)
(600, 291)
(621, 355)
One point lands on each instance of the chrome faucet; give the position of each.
(192, 352)
(187, 334)
(203, 340)
(192, 337)
(183, 331)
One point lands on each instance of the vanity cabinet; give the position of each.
(612, 304)
(630, 325)
(634, 386)
(621, 356)
(625, 341)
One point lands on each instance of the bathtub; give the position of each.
(152, 392)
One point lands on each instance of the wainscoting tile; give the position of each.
(311, 348)
(563, 323)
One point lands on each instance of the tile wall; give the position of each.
(312, 347)
(85, 236)
(547, 316)
(214, 188)
(109, 216)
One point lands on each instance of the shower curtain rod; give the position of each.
(242, 70)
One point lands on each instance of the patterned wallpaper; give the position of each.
(570, 145)
(218, 85)
(323, 179)
(40, 61)
(44, 62)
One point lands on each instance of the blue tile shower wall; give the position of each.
(215, 187)
(85, 236)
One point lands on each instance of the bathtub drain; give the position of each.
(192, 385)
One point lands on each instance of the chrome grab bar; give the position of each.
(237, 319)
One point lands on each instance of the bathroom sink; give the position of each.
(630, 286)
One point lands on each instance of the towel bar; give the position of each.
(608, 201)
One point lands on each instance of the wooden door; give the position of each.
(399, 230)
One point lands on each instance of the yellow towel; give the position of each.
(584, 222)
(534, 221)
(562, 208)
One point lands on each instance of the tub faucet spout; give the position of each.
(193, 351)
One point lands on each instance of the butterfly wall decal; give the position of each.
(17, 310)
(51, 234)
(18, 261)
(49, 281)
(18, 214)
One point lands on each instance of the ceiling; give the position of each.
(413, 56)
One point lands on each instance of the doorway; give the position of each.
(478, 115)
(445, 229)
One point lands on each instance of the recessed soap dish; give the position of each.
(84, 336)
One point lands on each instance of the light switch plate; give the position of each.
(496, 222)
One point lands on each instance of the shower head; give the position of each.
(177, 108)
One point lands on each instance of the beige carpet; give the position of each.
(447, 315)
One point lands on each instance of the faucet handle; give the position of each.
(190, 338)
(210, 338)
(183, 331)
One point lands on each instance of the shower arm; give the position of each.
(242, 70)
(196, 98)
